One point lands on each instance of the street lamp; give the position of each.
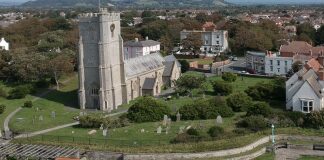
(273, 136)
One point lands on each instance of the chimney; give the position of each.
(146, 38)
(136, 39)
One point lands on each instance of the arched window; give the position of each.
(112, 29)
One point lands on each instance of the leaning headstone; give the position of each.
(101, 127)
(181, 129)
(53, 114)
(219, 120)
(178, 117)
(159, 130)
(40, 118)
(165, 119)
(104, 132)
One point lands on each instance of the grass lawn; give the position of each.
(201, 61)
(63, 102)
(266, 156)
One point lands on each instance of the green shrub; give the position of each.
(241, 131)
(259, 92)
(254, 123)
(2, 108)
(222, 88)
(215, 131)
(147, 109)
(95, 121)
(3, 93)
(28, 104)
(315, 119)
(259, 108)
(42, 84)
(239, 102)
(297, 117)
(21, 91)
(219, 107)
(229, 77)
(193, 132)
(189, 112)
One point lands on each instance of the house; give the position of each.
(305, 89)
(4, 45)
(172, 70)
(214, 41)
(300, 48)
(255, 61)
(136, 48)
(277, 65)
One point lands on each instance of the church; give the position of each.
(106, 78)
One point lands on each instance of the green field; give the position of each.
(310, 158)
(63, 103)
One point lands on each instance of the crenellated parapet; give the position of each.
(103, 13)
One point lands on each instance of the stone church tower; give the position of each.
(102, 83)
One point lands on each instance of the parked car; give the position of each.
(234, 59)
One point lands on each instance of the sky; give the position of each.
(237, 1)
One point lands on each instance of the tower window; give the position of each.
(112, 29)
(94, 91)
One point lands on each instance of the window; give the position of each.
(278, 62)
(307, 106)
(278, 70)
(217, 42)
(271, 68)
(206, 42)
(271, 62)
(94, 91)
(217, 36)
(286, 63)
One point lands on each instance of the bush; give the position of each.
(219, 107)
(95, 121)
(189, 112)
(192, 132)
(215, 131)
(259, 108)
(229, 77)
(2, 108)
(184, 65)
(3, 93)
(239, 102)
(42, 84)
(274, 90)
(315, 119)
(147, 109)
(241, 131)
(21, 91)
(222, 88)
(297, 117)
(28, 104)
(254, 123)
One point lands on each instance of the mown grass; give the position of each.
(311, 158)
(63, 102)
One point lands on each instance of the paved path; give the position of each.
(284, 154)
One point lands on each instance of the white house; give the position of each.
(214, 41)
(4, 45)
(276, 65)
(136, 48)
(305, 89)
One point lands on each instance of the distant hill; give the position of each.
(128, 3)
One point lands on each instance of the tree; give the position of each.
(239, 102)
(306, 31)
(229, 77)
(320, 35)
(166, 43)
(186, 83)
(59, 66)
(201, 17)
(193, 42)
(259, 108)
(184, 65)
(2, 108)
(147, 109)
(296, 66)
(222, 88)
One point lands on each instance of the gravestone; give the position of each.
(219, 120)
(37, 109)
(41, 118)
(181, 129)
(101, 127)
(159, 130)
(169, 122)
(104, 132)
(53, 114)
(178, 117)
(0, 134)
(72, 132)
(165, 118)
(188, 127)
(167, 130)
(201, 125)
(142, 130)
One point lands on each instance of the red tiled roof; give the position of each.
(297, 47)
(314, 64)
(209, 26)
